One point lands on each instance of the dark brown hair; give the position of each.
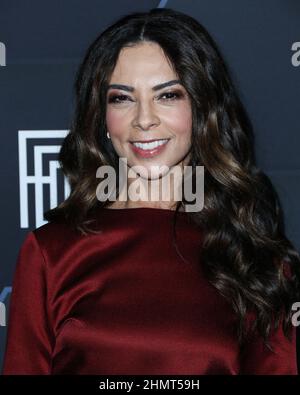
(245, 250)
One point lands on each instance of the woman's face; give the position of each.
(138, 113)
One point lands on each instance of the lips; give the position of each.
(147, 141)
(149, 148)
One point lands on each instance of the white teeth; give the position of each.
(152, 145)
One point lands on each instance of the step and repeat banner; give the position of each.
(41, 46)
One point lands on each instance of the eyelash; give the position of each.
(176, 96)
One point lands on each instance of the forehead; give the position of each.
(145, 61)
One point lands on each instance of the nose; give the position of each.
(146, 116)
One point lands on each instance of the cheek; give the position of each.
(180, 122)
(115, 122)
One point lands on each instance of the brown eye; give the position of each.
(117, 99)
(171, 95)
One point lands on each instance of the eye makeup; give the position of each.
(170, 95)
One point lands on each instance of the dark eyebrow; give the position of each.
(131, 88)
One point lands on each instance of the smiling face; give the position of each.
(150, 106)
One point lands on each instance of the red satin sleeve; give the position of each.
(257, 359)
(29, 338)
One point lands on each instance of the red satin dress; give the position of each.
(124, 302)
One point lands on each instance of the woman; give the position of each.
(112, 286)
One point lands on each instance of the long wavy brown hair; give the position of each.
(246, 254)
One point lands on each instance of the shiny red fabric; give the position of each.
(123, 302)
